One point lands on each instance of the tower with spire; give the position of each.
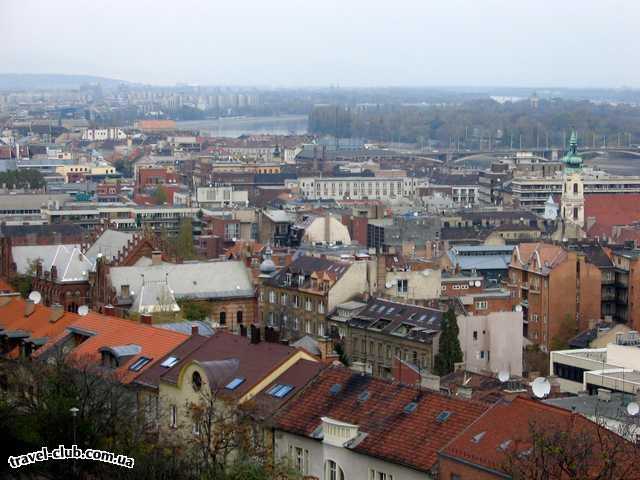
(572, 200)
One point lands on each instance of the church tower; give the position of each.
(572, 201)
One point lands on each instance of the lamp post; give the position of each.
(74, 413)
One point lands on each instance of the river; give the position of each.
(237, 126)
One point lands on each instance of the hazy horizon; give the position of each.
(284, 43)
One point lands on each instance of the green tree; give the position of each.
(342, 354)
(449, 352)
(160, 195)
(184, 242)
(192, 310)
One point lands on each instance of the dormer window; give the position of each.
(109, 360)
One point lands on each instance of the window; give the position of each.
(475, 335)
(481, 305)
(378, 475)
(320, 307)
(235, 383)
(169, 362)
(174, 416)
(333, 471)
(239, 316)
(296, 324)
(272, 296)
(307, 327)
(223, 318)
(280, 390)
(403, 285)
(196, 381)
(139, 364)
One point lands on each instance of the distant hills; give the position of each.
(35, 81)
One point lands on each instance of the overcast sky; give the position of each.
(579, 43)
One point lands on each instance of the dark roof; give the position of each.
(254, 361)
(391, 432)
(151, 377)
(443, 179)
(597, 255)
(400, 319)
(498, 215)
(306, 265)
(465, 233)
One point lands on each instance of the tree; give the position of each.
(160, 195)
(342, 354)
(193, 310)
(449, 352)
(575, 448)
(24, 283)
(566, 331)
(184, 242)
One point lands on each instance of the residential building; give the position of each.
(346, 425)
(297, 298)
(492, 342)
(554, 288)
(490, 261)
(384, 330)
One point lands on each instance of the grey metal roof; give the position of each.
(72, 265)
(309, 344)
(123, 350)
(31, 201)
(109, 244)
(198, 280)
(204, 328)
(280, 216)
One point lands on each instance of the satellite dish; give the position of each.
(503, 376)
(35, 297)
(541, 387)
(83, 310)
(388, 285)
(478, 283)
(471, 283)
(633, 409)
(518, 308)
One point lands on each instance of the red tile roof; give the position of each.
(38, 323)
(411, 439)
(506, 427)
(610, 209)
(6, 286)
(111, 332)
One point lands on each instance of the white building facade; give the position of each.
(358, 188)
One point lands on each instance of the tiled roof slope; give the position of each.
(610, 209)
(112, 332)
(411, 439)
(506, 428)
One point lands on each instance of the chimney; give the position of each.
(54, 273)
(146, 318)
(56, 312)
(255, 335)
(108, 310)
(125, 292)
(327, 228)
(194, 330)
(29, 307)
(156, 257)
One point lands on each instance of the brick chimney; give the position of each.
(194, 330)
(156, 257)
(57, 311)
(29, 307)
(146, 318)
(54, 273)
(108, 310)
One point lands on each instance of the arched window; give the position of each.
(239, 316)
(332, 471)
(196, 381)
(223, 318)
(575, 188)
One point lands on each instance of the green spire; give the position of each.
(572, 161)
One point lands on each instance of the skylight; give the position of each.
(390, 310)
(169, 362)
(139, 364)
(443, 416)
(364, 396)
(235, 383)
(280, 390)
(335, 389)
(410, 407)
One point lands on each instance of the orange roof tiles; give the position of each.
(411, 439)
(113, 332)
(544, 254)
(38, 323)
(6, 286)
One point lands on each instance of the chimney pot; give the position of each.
(57, 311)
(194, 330)
(108, 310)
(156, 257)
(146, 318)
